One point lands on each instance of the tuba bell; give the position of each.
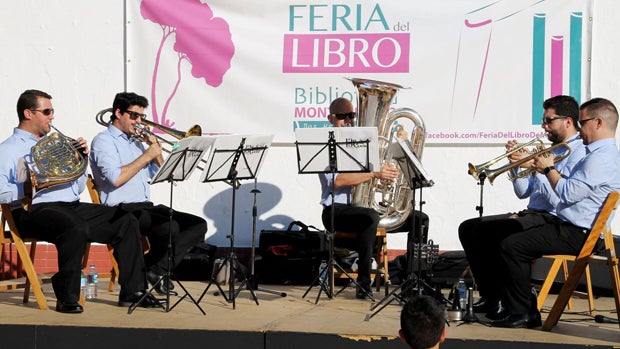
(391, 200)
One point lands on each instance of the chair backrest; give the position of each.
(600, 228)
(92, 190)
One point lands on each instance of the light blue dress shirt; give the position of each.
(538, 189)
(342, 195)
(110, 151)
(582, 193)
(15, 152)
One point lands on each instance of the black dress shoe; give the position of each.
(519, 321)
(161, 288)
(500, 314)
(487, 306)
(364, 293)
(69, 308)
(149, 301)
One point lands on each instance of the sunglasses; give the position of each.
(350, 115)
(135, 115)
(549, 119)
(581, 122)
(46, 112)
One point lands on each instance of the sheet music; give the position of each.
(410, 164)
(183, 158)
(351, 149)
(223, 153)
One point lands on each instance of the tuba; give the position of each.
(391, 200)
(57, 159)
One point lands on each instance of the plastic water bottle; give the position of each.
(83, 283)
(322, 271)
(92, 279)
(462, 288)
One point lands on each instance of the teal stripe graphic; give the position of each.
(538, 66)
(576, 24)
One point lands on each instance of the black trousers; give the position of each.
(187, 231)
(519, 250)
(360, 220)
(70, 226)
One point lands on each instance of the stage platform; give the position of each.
(276, 323)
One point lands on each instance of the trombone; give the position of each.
(483, 170)
(142, 130)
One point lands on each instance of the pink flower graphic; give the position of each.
(201, 39)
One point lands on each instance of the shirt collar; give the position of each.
(116, 133)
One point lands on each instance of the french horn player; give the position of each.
(124, 157)
(55, 213)
(481, 237)
(350, 217)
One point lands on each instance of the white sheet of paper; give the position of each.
(178, 167)
(313, 152)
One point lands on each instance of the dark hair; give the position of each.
(422, 322)
(124, 100)
(29, 100)
(565, 106)
(603, 108)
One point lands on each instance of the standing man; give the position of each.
(480, 237)
(122, 168)
(362, 220)
(57, 216)
(581, 195)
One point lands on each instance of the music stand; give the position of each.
(341, 153)
(177, 167)
(233, 158)
(418, 178)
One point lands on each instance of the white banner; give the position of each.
(272, 66)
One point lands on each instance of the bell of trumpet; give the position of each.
(484, 171)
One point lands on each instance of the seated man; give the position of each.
(57, 216)
(361, 220)
(422, 323)
(122, 167)
(480, 237)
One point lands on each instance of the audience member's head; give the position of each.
(423, 323)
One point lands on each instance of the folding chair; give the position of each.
(26, 258)
(585, 257)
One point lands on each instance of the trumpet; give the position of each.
(482, 171)
(142, 131)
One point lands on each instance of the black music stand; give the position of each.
(322, 157)
(178, 166)
(234, 158)
(418, 178)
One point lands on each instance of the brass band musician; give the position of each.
(56, 215)
(481, 237)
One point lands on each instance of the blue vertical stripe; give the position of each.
(576, 24)
(538, 66)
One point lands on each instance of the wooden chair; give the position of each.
(25, 257)
(562, 261)
(585, 257)
(381, 258)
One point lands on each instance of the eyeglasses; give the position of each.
(581, 122)
(134, 115)
(549, 119)
(343, 116)
(46, 112)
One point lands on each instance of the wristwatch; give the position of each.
(548, 169)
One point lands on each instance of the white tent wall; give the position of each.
(75, 51)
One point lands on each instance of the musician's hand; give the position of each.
(151, 139)
(510, 145)
(541, 162)
(82, 145)
(388, 172)
(154, 150)
(402, 133)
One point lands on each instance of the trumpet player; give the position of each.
(481, 237)
(122, 164)
(57, 216)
